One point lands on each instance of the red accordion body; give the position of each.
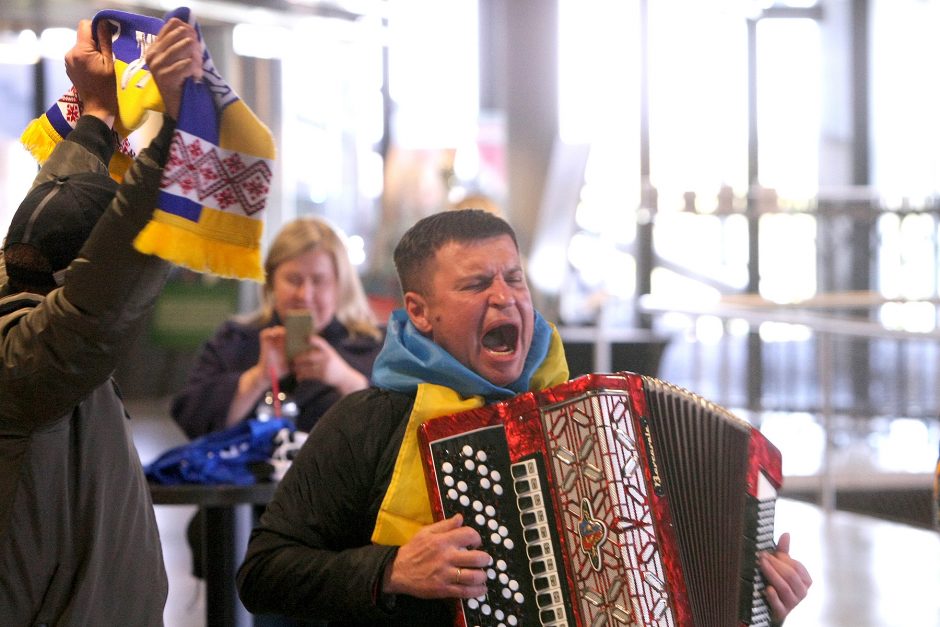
(609, 500)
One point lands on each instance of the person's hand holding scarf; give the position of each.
(90, 67)
(174, 56)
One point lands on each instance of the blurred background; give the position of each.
(737, 196)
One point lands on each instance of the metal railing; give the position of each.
(809, 369)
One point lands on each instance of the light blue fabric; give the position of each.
(409, 358)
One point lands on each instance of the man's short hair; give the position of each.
(50, 227)
(420, 243)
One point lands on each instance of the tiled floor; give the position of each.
(867, 572)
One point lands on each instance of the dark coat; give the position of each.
(79, 543)
(202, 405)
(327, 567)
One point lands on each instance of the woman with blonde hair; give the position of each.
(307, 268)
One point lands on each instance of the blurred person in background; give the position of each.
(306, 269)
(239, 369)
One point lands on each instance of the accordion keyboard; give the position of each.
(469, 470)
(476, 479)
(539, 546)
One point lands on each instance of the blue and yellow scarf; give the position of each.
(410, 362)
(217, 180)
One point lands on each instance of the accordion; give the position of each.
(609, 500)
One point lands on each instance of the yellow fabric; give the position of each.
(406, 507)
(119, 164)
(240, 130)
(137, 94)
(40, 138)
(226, 243)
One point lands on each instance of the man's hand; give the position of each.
(91, 70)
(438, 563)
(788, 581)
(174, 56)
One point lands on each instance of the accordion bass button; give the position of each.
(592, 597)
(659, 609)
(622, 616)
(654, 581)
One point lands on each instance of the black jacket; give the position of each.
(325, 567)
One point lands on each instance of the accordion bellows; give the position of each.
(609, 500)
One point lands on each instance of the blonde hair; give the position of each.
(308, 234)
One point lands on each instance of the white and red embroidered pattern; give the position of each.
(214, 177)
(71, 106)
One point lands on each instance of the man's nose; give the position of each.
(501, 294)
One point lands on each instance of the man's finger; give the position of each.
(448, 524)
(104, 37)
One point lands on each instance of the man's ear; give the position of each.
(417, 309)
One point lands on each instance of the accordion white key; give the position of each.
(609, 500)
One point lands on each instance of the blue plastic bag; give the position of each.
(222, 457)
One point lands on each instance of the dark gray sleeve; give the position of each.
(88, 148)
(110, 277)
(70, 341)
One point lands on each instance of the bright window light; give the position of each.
(591, 97)
(433, 72)
(789, 56)
(20, 48)
(356, 247)
(55, 42)
(260, 41)
(904, 95)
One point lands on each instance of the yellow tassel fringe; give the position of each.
(191, 250)
(40, 138)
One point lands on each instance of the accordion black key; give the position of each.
(609, 500)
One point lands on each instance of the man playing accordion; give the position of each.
(349, 537)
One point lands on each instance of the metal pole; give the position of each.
(827, 482)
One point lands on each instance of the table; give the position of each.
(229, 517)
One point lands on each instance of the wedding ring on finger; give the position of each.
(457, 578)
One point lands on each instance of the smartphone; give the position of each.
(299, 324)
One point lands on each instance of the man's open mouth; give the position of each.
(501, 339)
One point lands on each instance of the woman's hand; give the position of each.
(272, 358)
(322, 363)
(272, 364)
